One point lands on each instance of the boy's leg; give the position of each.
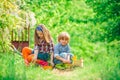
(68, 57)
(63, 55)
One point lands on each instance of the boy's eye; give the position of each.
(64, 39)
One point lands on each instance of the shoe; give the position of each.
(47, 67)
(81, 63)
(78, 63)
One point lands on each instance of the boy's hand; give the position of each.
(66, 61)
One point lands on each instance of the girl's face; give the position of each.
(40, 34)
(64, 41)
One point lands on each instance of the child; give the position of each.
(43, 50)
(63, 58)
(62, 52)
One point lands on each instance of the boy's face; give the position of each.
(64, 41)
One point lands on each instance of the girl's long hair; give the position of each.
(46, 35)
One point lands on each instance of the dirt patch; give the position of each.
(62, 72)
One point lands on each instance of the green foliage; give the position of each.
(107, 11)
(11, 17)
(6, 22)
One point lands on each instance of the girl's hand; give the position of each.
(52, 64)
(51, 61)
(34, 59)
(35, 55)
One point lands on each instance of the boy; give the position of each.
(62, 49)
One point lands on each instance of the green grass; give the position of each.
(13, 68)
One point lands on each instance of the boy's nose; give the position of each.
(64, 40)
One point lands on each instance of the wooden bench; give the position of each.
(20, 38)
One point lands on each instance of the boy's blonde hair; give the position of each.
(46, 34)
(63, 35)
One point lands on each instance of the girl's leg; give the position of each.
(38, 61)
(43, 56)
(26, 52)
(30, 57)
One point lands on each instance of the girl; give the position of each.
(43, 50)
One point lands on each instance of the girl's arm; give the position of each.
(51, 59)
(35, 55)
(51, 53)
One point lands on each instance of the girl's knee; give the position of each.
(26, 49)
(30, 57)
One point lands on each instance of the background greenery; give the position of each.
(92, 24)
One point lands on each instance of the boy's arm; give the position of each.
(62, 59)
(68, 48)
(68, 51)
(56, 55)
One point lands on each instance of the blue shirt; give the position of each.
(59, 48)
